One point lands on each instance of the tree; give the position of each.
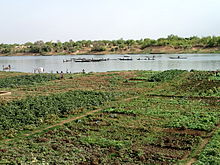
(98, 49)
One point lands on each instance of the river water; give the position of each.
(161, 62)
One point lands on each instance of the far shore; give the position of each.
(148, 50)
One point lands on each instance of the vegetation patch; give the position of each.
(26, 80)
(138, 79)
(170, 44)
(34, 111)
(166, 75)
(211, 153)
(200, 83)
(102, 142)
(176, 141)
(120, 111)
(196, 120)
(158, 122)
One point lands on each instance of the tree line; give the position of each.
(174, 41)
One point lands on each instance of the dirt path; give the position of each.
(65, 121)
(191, 161)
(199, 149)
(202, 145)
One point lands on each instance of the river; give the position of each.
(161, 62)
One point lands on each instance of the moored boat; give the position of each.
(178, 58)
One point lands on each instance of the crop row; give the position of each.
(26, 80)
(34, 110)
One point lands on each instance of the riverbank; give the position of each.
(147, 50)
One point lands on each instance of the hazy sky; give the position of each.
(31, 20)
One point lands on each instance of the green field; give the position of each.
(129, 117)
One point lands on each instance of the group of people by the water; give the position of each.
(4, 68)
(62, 73)
(41, 70)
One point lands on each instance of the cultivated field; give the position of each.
(129, 117)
